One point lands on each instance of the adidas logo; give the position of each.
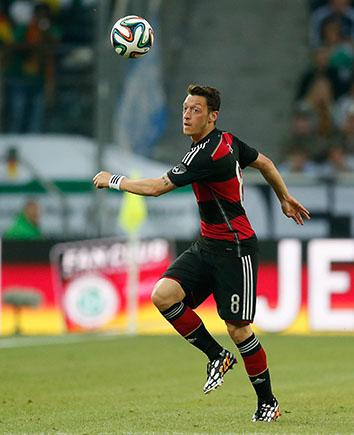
(191, 340)
(258, 381)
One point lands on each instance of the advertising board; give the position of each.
(307, 288)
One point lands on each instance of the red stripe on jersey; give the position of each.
(202, 192)
(229, 189)
(240, 224)
(228, 138)
(221, 150)
(243, 227)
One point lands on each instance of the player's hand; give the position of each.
(101, 180)
(294, 210)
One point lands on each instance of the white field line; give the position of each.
(15, 342)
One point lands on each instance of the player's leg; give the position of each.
(235, 296)
(255, 361)
(171, 300)
(169, 297)
(185, 285)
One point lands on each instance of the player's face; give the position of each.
(197, 120)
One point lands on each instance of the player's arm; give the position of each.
(290, 206)
(144, 186)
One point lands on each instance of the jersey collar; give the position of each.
(205, 138)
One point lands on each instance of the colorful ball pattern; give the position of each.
(132, 36)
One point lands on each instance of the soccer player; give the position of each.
(223, 261)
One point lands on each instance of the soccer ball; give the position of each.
(132, 36)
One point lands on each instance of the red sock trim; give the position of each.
(256, 364)
(187, 323)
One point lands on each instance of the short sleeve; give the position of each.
(247, 154)
(192, 168)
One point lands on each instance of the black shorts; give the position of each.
(232, 280)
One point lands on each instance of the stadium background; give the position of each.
(100, 111)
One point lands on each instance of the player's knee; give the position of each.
(157, 298)
(231, 328)
(238, 331)
(165, 294)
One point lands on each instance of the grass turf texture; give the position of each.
(154, 384)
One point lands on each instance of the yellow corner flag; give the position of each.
(133, 211)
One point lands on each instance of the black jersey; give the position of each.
(214, 168)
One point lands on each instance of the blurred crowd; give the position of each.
(44, 46)
(321, 136)
(47, 79)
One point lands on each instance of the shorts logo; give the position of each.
(179, 169)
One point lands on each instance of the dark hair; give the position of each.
(212, 95)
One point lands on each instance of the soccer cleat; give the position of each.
(216, 370)
(267, 411)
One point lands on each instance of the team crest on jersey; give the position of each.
(179, 169)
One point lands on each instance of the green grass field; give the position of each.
(154, 385)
